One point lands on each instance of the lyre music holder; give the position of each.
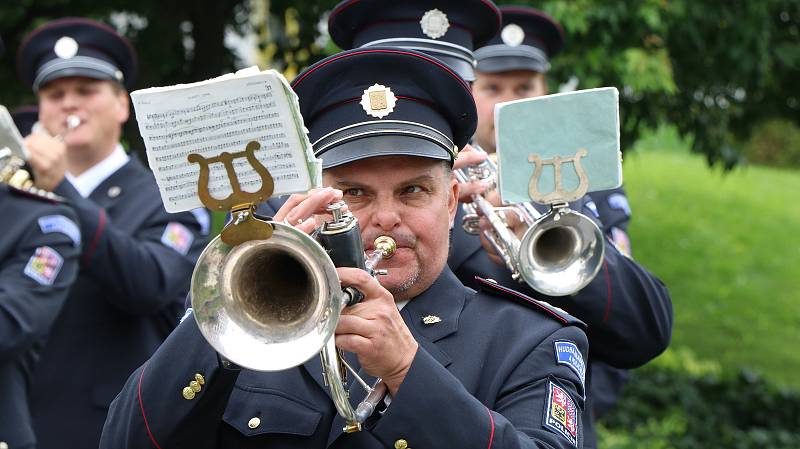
(244, 225)
(558, 194)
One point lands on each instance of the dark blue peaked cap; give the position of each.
(384, 101)
(527, 40)
(446, 29)
(76, 47)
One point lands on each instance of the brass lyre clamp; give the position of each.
(558, 195)
(244, 225)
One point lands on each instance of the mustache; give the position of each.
(402, 238)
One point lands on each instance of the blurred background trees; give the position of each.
(717, 71)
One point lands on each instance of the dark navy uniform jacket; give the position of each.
(481, 378)
(39, 252)
(136, 266)
(627, 309)
(608, 382)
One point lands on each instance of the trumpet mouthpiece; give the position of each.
(73, 121)
(386, 245)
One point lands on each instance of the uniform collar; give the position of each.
(86, 182)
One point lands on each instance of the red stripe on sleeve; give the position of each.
(141, 407)
(101, 226)
(491, 434)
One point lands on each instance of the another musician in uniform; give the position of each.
(628, 310)
(463, 368)
(137, 260)
(39, 253)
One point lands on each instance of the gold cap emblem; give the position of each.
(378, 101)
(66, 47)
(434, 24)
(512, 35)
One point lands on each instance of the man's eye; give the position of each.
(353, 192)
(414, 189)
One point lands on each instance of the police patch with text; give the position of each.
(561, 414)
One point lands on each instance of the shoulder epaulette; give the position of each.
(37, 194)
(491, 287)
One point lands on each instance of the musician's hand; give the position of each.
(47, 157)
(306, 211)
(466, 157)
(513, 222)
(374, 330)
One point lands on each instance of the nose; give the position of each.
(71, 101)
(386, 216)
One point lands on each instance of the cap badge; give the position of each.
(66, 47)
(434, 24)
(378, 101)
(512, 35)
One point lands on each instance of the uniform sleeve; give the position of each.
(147, 270)
(151, 410)
(34, 282)
(539, 405)
(627, 308)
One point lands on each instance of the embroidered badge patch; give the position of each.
(378, 101)
(593, 207)
(177, 237)
(619, 202)
(561, 415)
(512, 35)
(44, 265)
(567, 353)
(62, 224)
(621, 240)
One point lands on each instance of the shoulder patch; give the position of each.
(493, 288)
(620, 202)
(44, 265)
(561, 414)
(592, 208)
(62, 224)
(177, 237)
(567, 353)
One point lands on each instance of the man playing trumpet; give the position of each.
(462, 368)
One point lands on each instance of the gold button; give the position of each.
(200, 379)
(254, 422)
(401, 444)
(188, 393)
(195, 386)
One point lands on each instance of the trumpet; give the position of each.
(270, 305)
(560, 252)
(12, 167)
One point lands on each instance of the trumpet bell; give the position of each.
(561, 253)
(267, 305)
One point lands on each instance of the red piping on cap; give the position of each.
(367, 51)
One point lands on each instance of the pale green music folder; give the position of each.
(569, 137)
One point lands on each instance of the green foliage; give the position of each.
(774, 142)
(673, 404)
(725, 245)
(713, 69)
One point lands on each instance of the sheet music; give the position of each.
(9, 135)
(222, 115)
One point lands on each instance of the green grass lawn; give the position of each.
(728, 247)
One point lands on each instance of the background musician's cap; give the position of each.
(527, 40)
(446, 29)
(75, 47)
(383, 101)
